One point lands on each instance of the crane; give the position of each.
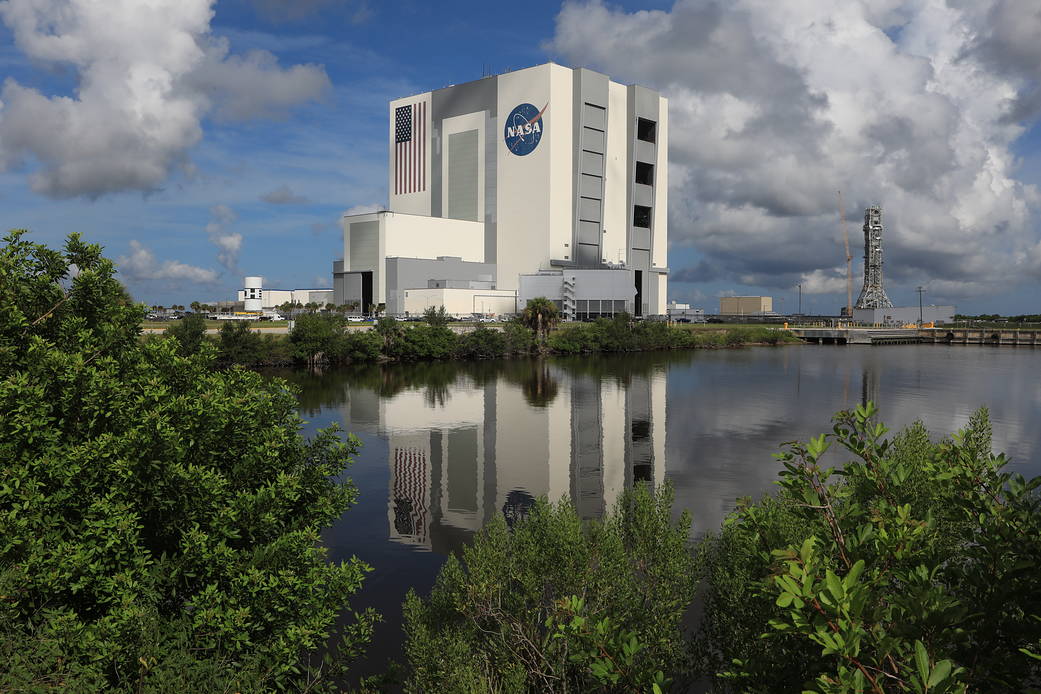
(849, 260)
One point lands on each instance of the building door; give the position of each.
(638, 299)
(366, 291)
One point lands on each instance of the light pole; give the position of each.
(920, 290)
(800, 298)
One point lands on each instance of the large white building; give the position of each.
(547, 169)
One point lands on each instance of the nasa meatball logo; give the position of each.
(523, 129)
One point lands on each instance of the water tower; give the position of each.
(253, 294)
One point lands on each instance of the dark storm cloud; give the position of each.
(774, 107)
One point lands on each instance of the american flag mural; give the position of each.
(409, 491)
(410, 148)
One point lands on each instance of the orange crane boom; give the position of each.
(849, 259)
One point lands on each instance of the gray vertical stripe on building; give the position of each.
(591, 91)
(491, 178)
(462, 175)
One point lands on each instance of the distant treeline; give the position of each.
(324, 339)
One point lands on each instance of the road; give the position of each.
(283, 330)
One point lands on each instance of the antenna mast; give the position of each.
(849, 260)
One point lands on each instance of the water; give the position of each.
(448, 446)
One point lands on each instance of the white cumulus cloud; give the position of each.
(228, 243)
(147, 74)
(284, 195)
(142, 265)
(777, 104)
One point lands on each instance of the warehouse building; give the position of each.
(547, 169)
(746, 305)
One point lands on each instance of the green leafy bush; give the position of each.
(315, 335)
(912, 567)
(481, 343)
(556, 604)
(423, 342)
(159, 519)
(189, 332)
(237, 343)
(519, 340)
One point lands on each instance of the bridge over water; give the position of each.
(848, 335)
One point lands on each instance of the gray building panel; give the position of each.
(362, 254)
(462, 175)
(643, 195)
(641, 239)
(591, 186)
(589, 210)
(417, 273)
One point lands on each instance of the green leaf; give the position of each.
(834, 585)
(939, 673)
(921, 658)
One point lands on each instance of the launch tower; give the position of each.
(873, 295)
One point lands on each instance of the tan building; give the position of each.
(746, 305)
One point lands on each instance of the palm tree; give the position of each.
(540, 315)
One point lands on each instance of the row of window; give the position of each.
(606, 307)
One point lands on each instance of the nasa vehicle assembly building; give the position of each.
(547, 181)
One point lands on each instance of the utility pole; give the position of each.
(920, 290)
(849, 260)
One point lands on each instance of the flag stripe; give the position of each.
(410, 148)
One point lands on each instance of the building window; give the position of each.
(641, 216)
(645, 173)
(646, 130)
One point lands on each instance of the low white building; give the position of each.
(582, 294)
(256, 298)
(904, 315)
(460, 301)
(684, 312)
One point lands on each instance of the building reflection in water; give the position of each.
(495, 446)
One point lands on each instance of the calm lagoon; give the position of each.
(446, 446)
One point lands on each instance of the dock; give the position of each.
(853, 335)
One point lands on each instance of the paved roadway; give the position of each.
(283, 330)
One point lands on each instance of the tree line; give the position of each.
(324, 338)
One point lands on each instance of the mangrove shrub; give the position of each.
(159, 518)
(556, 604)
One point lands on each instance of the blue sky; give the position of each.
(289, 104)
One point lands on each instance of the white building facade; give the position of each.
(543, 169)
